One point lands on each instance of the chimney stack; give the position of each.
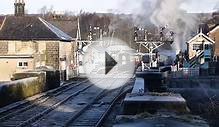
(19, 7)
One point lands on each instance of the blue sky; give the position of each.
(33, 6)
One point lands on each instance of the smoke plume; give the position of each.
(168, 12)
(165, 13)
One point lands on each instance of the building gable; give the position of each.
(200, 37)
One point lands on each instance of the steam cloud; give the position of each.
(165, 13)
(168, 12)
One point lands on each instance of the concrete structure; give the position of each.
(28, 43)
(148, 96)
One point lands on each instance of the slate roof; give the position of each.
(68, 26)
(30, 28)
(1, 20)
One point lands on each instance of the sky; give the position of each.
(102, 6)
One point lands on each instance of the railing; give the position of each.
(185, 73)
(194, 61)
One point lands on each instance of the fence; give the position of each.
(185, 73)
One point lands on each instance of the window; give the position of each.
(207, 46)
(20, 64)
(23, 64)
(197, 47)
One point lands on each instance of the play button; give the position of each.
(109, 63)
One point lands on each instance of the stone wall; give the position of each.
(51, 78)
(17, 90)
(215, 36)
(28, 84)
(3, 48)
(52, 54)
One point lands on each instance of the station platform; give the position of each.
(141, 99)
(153, 102)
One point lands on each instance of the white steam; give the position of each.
(168, 12)
(164, 13)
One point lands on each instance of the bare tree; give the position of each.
(43, 10)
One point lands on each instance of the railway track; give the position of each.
(80, 106)
(95, 112)
(21, 114)
(37, 98)
(89, 106)
(64, 113)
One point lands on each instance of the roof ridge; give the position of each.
(206, 37)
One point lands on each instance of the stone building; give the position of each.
(214, 35)
(30, 42)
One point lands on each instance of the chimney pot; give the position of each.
(19, 7)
